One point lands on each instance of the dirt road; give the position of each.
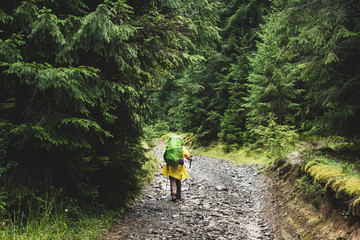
(221, 200)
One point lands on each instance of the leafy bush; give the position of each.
(161, 128)
(277, 139)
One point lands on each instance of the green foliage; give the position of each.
(295, 59)
(45, 36)
(277, 139)
(332, 66)
(312, 190)
(207, 98)
(273, 82)
(74, 76)
(301, 68)
(9, 51)
(231, 133)
(52, 220)
(307, 45)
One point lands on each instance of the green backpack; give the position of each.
(173, 151)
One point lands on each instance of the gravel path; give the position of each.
(221, 200)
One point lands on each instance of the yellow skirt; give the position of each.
(178, 172)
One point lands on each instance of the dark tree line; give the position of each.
(298, 60)
(72, 79)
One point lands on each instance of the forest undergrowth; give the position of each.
(56, 217)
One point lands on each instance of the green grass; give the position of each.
(334, 164)
(241, 156)
(65, 223)
(341, 177)
(56, 220)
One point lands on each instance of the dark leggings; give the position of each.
(175, 187)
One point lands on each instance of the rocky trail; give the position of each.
(221, 200)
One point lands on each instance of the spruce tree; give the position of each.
(327, 43)
(304, 69)
(240, 25)
(215, 109)
(272, 84)
(72, 91)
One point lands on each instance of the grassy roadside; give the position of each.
(318, 197)
(333, 166)
(57, 220)
(241, 156)
(57, 223)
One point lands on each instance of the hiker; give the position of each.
(174, 169)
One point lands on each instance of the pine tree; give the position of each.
(213, 108)
(239, 29)
(329, 66)
(305, 67)
(272, 83)
(72, 91)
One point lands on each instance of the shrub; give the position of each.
(277, 139)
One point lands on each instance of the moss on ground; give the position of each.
(344, 185)
(324, 174)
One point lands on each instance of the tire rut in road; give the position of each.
(221, 200)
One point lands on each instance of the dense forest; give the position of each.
(85, 83)
(296, 59)
(74, 76)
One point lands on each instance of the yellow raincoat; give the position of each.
(179, 171)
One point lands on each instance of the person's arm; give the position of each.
(186, 154)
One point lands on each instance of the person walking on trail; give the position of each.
(174, 169)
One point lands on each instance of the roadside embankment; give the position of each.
(311, 201)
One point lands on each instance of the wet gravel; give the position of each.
(221, 200)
